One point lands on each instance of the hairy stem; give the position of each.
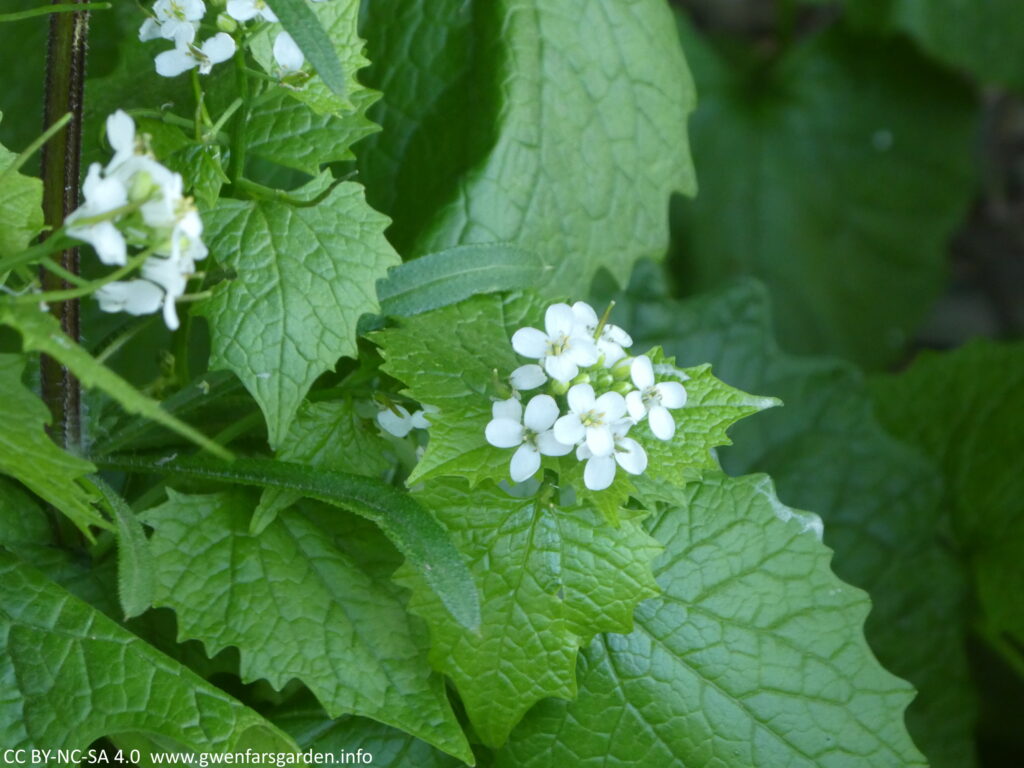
(65, 77)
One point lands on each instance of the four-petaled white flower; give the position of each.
(214, 50)
(599, 472)
(527, 377)
(562, 349)
(136, 297)
(287, 54)
(396, 420)
(173, 20)
(243, 10)
(612, 342)
(654, 399)
(103, 195)
(530, 430)
(590, 419)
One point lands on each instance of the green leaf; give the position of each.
(301, 22)
(409, 527)
(450, 276)
(135, 579)
(297, 607)
(837, 176)
(21, 211)
(574, 145)
(22, 522)
(550, 577)
(879, 499)
(326, 436)
(28, 455)
(40, 332)
(304, 277)
(965, 410)
(753, 656)
(71, 675)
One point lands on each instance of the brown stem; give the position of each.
(65, 78)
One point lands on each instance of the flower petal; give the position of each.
(631, 456)
(107, 241)
(612, 405)
(582, 351)
(541, 412)
(586, 317)
(508, 409)
(600, 441)
(635, 405)
(170, 312)
(398, 424)
(504, 433)
(662, 424)
(136, 297)
(642, 372)
(673, 394)
(526, 377)
(561, 368)
(559, 320)
(599, 473)
(569, 429)
(616, 335)
(419, 420)
(549, 445)
(581, 398)
(220, 47)
(525, 463)
(242, 10)
(287, 53)
(529, 342)
(173, 62)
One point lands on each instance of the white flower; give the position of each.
(562, 349)
(590, 419)
(173, 277)
(529, 430)
(173, 20)
(599, 472)
(613, 341)
(654, 400)
(121, 135)
(136, 297)
(527, 377)
(243, 10)
(102, 196)
(287, 54)
(214, 50)
(397, 421)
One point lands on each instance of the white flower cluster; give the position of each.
(575, 352)
(179, 20)
(136, 201)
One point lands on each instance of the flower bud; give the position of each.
(621, 370)
(226, 24)
(622, 387)
(581, 378)
(559, 387)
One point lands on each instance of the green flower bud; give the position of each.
(226, 24)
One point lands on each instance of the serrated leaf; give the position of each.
(135, 580)
(106, 681)
(549, 578)
(297, 607)
(29, 455)
(21, 211)
(40, 332)
(879, 499)
(437, 280)
(836, 175)
(965, 409)
(575, 142)
(304, 277)
(299, 20)
(406, 524)
(326, 436)
(753, 656)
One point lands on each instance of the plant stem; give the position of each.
(237, 163)
(65, 78)
(32, 148)
(55, 8)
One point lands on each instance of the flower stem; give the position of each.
(55, 8)
(71, 294)
(61, 159)
(32, 148)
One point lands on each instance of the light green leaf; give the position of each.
(297, 607)
(447, 277)
(304, 277)
(753, 656)
(965, 409)
(21, 211)
(550, 577)
(29, 455)
(328, 436)
(299, 20)
(107, 680)
(40, 332)
(879, 499)
(575, 142)
(135, 579)
(836, 175)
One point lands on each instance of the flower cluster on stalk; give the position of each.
(596, 392)
(135, 202)
(179, 21)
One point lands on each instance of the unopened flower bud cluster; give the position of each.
(137, 202)
(179, 21)
(595, 394)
